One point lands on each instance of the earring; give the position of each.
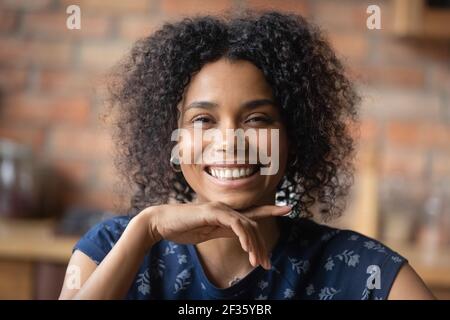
(174, 165)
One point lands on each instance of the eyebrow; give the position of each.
(247, 105)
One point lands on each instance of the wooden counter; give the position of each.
(433, 266)
(32, 259)
(34, 240)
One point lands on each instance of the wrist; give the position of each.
(139, 228)
(148, 219)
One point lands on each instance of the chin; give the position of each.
(236, 202)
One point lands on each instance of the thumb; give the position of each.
(266, 211)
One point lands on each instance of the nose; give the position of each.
(230, 140)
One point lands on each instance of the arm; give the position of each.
(184, 223)
(409, 286)
(112, 278)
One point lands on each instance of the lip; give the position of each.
(229, 164)
(231, 184)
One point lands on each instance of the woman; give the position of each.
(210, 229)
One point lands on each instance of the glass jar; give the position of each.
(18, 187)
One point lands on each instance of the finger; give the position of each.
(247, 233)
(258, 252)
(261, 212)
(262, 248)
(235, 224)
(255, 253)
(231, 224)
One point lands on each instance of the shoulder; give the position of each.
(344, 262)
(99, 240)
(333, 242)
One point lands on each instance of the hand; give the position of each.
(195, 223)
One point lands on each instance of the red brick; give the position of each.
(404, 134)
(132, 27)
(102, 199)
(441, 164)
(120, 7)
(22, 52)
(45, 111)
(65, 81)
(13, 79)
(8, 21)
(402, 163)
(295, 6)
(102, 56)
(400, 104)
(53, 24)
(392, 76)
(79, 143)
(25, 4)
(436, 135)
(335, 15)
(189, 7)
(77, 172)
(106, 174)
(350, 46)
(351, 15)
(74, 110)
(33, 137)
(419, 135)
(22, 109)
(70, 83)
(440, 79)
(387, 17)
(370, 130)
(412, 52)
(366, 157)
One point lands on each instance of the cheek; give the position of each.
(191, 148)
(283, 147)
(272, 146)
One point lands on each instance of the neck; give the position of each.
(223, 259)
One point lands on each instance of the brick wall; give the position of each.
(51, 84)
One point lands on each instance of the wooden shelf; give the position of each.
(34, 240)
(413, 18)
(432, 265)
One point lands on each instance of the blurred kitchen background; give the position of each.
(56, 157)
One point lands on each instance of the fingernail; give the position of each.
(287, 214)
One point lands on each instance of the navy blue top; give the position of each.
(309, 261)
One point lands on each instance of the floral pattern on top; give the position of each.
(309, 261)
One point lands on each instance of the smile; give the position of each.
(231, 173)
(232, 176)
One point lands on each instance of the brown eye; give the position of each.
(202, 119)
(259, 119)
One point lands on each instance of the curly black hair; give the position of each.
(316, 98)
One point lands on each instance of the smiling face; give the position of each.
(225, 96)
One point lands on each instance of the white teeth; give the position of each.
(231, 174)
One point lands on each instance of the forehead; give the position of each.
(228, 81)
